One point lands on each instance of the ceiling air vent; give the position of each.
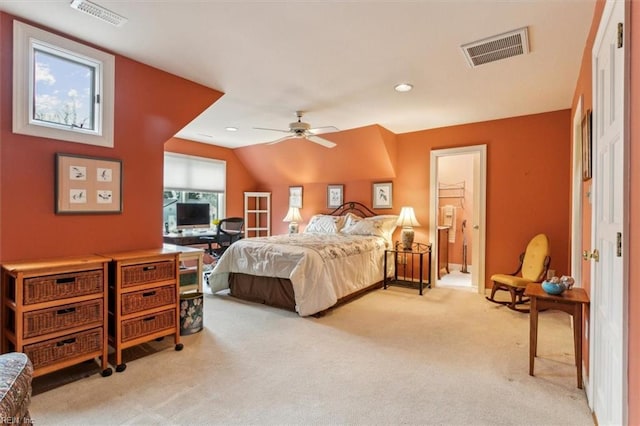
(501, 46)
(99, 12)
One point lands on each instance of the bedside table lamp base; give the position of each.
(293, 228)
(407, 238)
(407, 220)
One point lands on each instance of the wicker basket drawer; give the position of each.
(37, 323)
(148, 324)
(148, 273)
(141, 300)
(66, 347)
(62, 286)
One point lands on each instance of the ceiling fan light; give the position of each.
(403, 87)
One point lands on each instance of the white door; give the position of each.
(609, 186)
(477, 228)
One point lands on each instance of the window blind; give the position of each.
(189, 173)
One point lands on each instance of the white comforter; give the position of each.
(322, 267)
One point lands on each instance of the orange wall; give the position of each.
(528, 189)
(151, 106)
(360, 154)
(239, 179)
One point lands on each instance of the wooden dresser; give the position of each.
(144, 299)
(443, 251)
(54, 310)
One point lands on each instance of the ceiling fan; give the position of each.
(302, 130)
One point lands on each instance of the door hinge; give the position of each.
(619, 244)
(98, 99)
(620, 34)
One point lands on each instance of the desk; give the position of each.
(190, 239)
(571, 302)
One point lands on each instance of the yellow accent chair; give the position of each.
(534, 264)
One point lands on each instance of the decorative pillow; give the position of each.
(381, 226)
(389, 221)
(324, 224)
(350, 219)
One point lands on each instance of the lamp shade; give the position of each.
(293, 215)
(407, 218)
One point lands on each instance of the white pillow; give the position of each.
(389, 221)
(350, 219)
(324, 224)
(381, 226)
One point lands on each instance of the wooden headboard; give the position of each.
(353, 207)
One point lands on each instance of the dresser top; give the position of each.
(60, 262)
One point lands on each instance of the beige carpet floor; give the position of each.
(390, 357)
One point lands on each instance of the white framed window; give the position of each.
(61, 89)
(191, 179)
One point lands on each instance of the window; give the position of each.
(189, 179)
(62, 89)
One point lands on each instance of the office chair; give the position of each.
(534, 263)
(229, 231)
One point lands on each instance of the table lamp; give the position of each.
(407, 220)
(293, 217)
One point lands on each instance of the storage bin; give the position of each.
(191, 320)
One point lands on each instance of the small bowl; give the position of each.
(553, 288)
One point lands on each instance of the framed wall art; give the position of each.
(383, 195)
(295, 196)
(87, 184)
(586, 146)
(335, 195)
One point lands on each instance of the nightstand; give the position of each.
(405, 263)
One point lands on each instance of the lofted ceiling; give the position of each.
(339, 60)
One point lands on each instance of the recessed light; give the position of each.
(403, 87)
(231, 129)
(204, 135)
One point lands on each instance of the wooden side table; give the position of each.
(571, 302)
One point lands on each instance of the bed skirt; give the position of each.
(272, 291)
(276, 292)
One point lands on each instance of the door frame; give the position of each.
(576, 196)
(480, 206)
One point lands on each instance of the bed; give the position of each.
(337, 257)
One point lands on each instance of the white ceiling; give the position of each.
(339, 60)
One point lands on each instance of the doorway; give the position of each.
(457, 217)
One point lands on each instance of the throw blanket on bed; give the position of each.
(322, 267)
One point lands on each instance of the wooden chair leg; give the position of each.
(517, 293)
(496, 287)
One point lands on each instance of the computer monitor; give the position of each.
(192, 215)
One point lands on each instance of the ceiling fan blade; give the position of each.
(323, 129)
(280, 140)
(273, 130)
(324, 142)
